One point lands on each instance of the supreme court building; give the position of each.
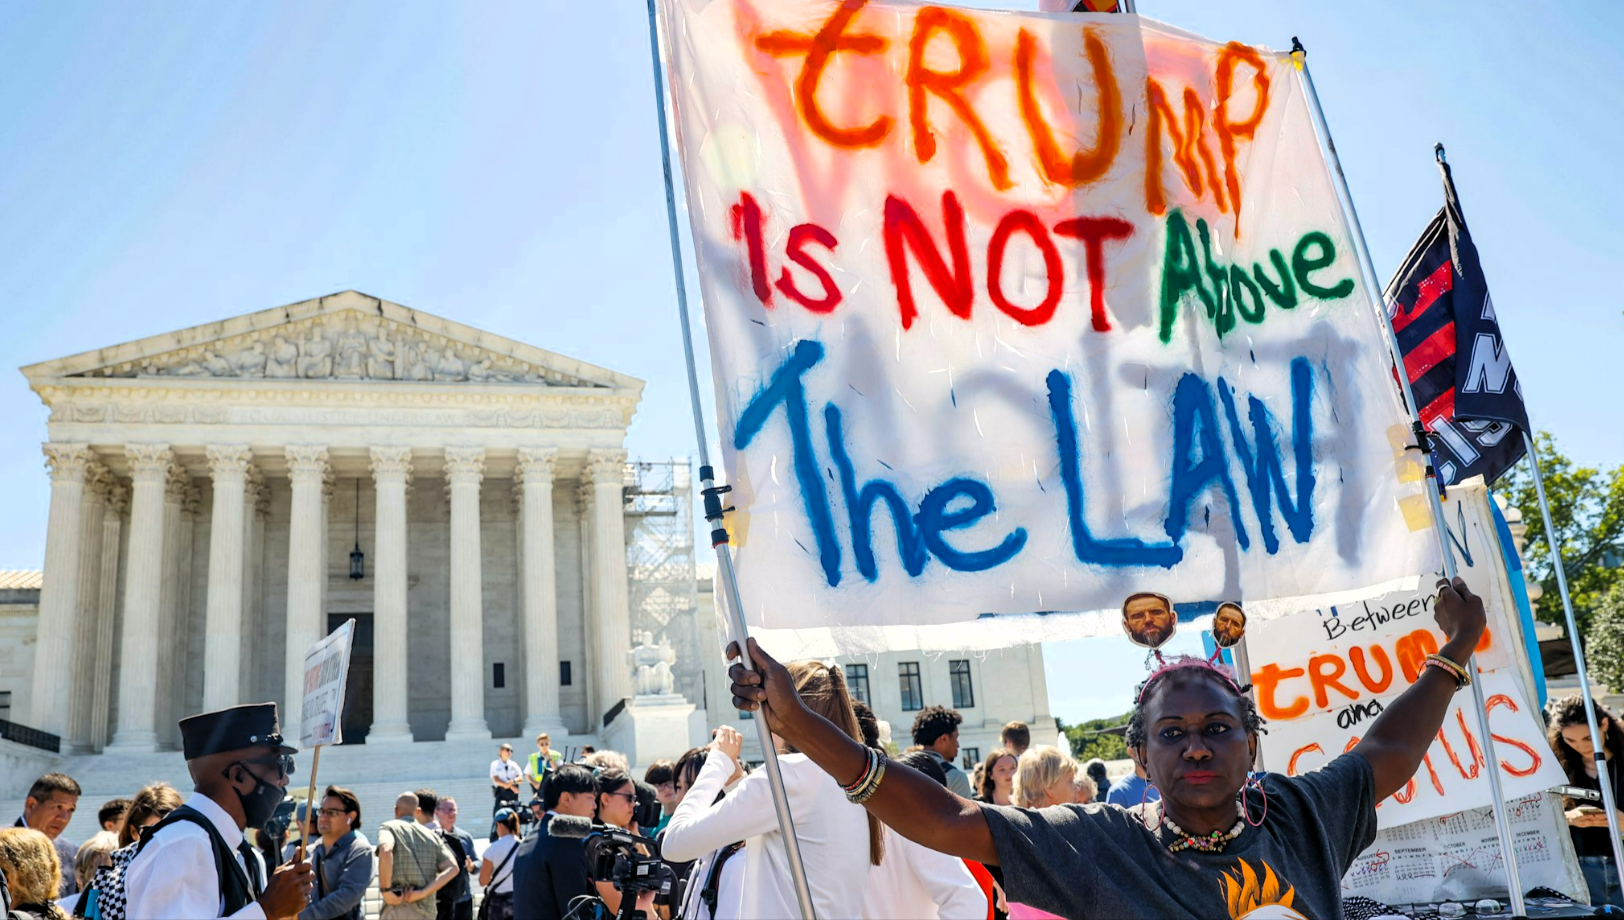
(210, 486)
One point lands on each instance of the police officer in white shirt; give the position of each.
(506, 774)
(195, 864)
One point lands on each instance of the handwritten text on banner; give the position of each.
(1021, 312)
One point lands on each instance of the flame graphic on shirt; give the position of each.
(1251, 898)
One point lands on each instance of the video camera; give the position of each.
(615, 857)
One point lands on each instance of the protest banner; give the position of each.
(326, 671)
(321, 718)
(1323, 675)
(1456, 857)
(1014, 314)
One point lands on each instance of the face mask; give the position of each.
(259, 805)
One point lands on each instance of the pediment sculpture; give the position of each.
(345, 347)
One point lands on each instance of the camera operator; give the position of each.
(549, 872)
(617, 806)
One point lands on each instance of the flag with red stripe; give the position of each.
(1464, 385)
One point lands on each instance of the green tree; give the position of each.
(1587, 510)
(1604, 644)
(1093, 739)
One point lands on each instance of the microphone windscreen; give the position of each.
(569, 827)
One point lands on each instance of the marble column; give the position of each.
(539, 597)
(222, 621)
(70, 466)
(101, 688)
(143, 593)
(391, 469)
(256, 509)
(169, 615)
(84, 658)
(464, 469)
(185, 569)
(587, 670)
(307, 465)
(607, 470)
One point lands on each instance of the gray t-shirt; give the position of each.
(1083, 861)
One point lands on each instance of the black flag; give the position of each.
(1459, 369)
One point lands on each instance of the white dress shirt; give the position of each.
(506, 771)
(833, 834)
(916, 881)
(174, 877)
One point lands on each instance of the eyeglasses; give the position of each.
(282, 762)
(331, 812)
(629, 796)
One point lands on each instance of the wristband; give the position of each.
(1456, 671)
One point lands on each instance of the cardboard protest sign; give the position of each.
(1322, 676)
(1022, 312)
(326, 669)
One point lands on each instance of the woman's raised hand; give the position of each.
(1460, 615)
(728, 741)
(768, 690)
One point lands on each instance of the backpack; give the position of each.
(107, 885)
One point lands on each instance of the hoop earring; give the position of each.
(1245, 811)
(1144, 801)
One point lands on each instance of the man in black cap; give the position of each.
(195, 863)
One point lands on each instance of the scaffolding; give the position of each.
(661, 579)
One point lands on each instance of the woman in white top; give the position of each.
(839, 840)
(917, 882)
(498, 857)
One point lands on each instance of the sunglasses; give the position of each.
(282, 762)
(629, 796)
(331, 812)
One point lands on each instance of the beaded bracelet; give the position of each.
(862, 795)
(1462, 678)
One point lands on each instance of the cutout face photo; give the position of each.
(1228, 625)
(1148, 619)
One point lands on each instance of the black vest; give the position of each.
(235, 887)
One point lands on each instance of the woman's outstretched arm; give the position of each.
(1399, 738)
(912, 804)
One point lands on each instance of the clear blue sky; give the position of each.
(168, 164)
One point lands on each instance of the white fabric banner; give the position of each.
(1014, 314)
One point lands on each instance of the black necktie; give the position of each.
(251, 866)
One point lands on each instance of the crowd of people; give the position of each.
(1028, 832)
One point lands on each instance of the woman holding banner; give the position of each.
(1218, 844)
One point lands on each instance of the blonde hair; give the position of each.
(823, 689)
(154, 801)
(93, 854)
(32, 869)
(1039, 770)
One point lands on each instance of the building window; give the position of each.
(563, 674)
(5, 705)
(913, 693)
(498, 675)
(970, 757)
(857, 681)
(964, 695)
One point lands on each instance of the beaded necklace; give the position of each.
(1206, 843)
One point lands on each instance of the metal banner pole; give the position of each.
(1609, 801)
(712, 493)
(1502, 822)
